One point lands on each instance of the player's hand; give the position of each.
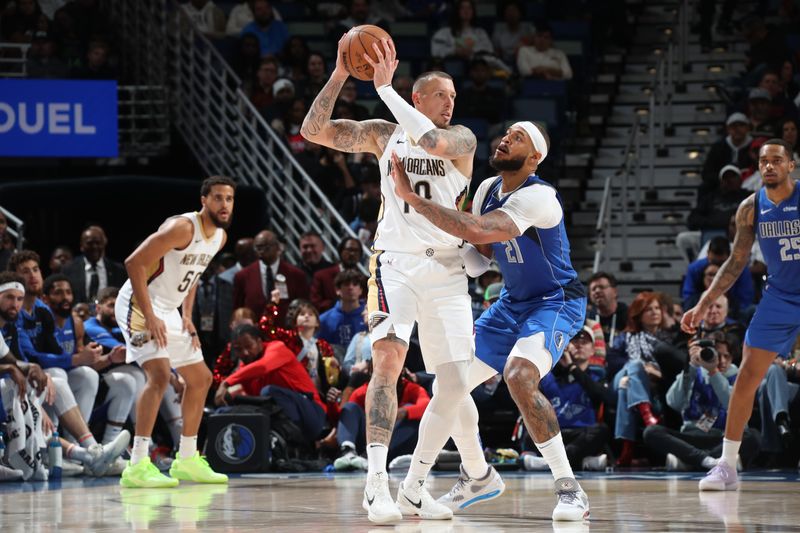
(117, 354)
(402, 184)
(691, 318)
(402, 414)
(222, 392)
(188, 327)
(89, 356)
(157, 329)
(339, 71)
(18, 378)
(386, 64)
(275, 296)
(50, 396)
(47, 425)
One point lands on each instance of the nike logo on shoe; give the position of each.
(418, 504)
(369, 500)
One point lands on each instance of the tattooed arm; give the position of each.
(453, 143)
(731, 269)
(344, 135)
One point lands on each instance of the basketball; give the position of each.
(358, 42)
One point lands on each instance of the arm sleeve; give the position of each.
(536, 205)
(100, 335)
(417, 400)
(680, 390)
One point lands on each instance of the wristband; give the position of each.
(475, 263)
(414, 123)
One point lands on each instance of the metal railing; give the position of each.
(14, 60)
(143, 120)
(221, 126)
(15, 228)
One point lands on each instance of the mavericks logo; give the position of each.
(559, 340)
(235, 444)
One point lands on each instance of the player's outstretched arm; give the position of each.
(453, 143)
(731, 269)
(345, 135)
(495, 226)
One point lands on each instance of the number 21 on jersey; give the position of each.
(513, 253)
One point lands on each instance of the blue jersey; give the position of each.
(536, 265)
(777, 228)
(66, 336)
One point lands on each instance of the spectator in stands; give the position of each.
(263, 94)
(781, 106)
(479, 100)
(349, 96)
(227, 361)
(211, 330)
(294, 59)
(788, 130)
(272, 33)
(241, 15)
(731, 150)
(759, 110)
(244, 255)
(511, 32)
(95, 66)
(788, 86)
(359, 352)
(206, 16)
(283, 95)
(402, 85)
(366, 223)
(271, 369)
(359, 13)
(714, 209)
(312, 249)
(777, 397)
(577, 391)
(717, 319)
(316, 77)
(700, 393)
(289, 125)
(351, 435)
(323, 287)
(542, 60)
(343, 320)
(477, 288)
(22, 20)
(635, 353)
(460, 38)
(605, 306)
(253, 285)
(247, 62)
(59, 259)
(92, 270)
(741, 294)
(42, 59)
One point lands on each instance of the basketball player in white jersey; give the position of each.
(416, 271)
(163, 273)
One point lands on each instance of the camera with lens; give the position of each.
(707, 350)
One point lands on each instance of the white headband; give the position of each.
(12, 286)
(536, 137)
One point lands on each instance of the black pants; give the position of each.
(584, 441)
(694, 445)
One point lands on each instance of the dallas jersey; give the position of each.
(171, 278)
(401, 228)
(775, 324)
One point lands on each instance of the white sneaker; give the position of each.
(377, 501)
(71, 468)
(418, 501)
(573, 504)
(105, 454)
(10, 474)
(534, 462)
(117, 466)
(468, 491)
(674, 464)
(597, 463)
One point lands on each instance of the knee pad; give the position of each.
(532, 349)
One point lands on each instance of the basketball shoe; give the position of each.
(573, 504)
(416, 500)
(144, 475)
(468, 491)
(378, 502)
(195, 468)
(721, 477)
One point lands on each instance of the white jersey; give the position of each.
(173, 276)
(400, 228)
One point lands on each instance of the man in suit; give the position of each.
(312, 249)
(92, 270)
(323, 288)
(253, 284)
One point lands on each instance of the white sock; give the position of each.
(376, 458)
(81, 455)
(141, 449)
(555, 454)
(730, 451)
(434, 430)
(468, 441)
(348, 447)
(111, 432)
(709, 462)
(188, 446)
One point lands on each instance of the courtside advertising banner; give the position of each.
(58, 118)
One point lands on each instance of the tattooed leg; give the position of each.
(381, 401)
(522, 378)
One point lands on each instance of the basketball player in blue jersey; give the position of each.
(771, 216)
(518, 218)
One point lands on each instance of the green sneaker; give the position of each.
(145, 475)
(196, 469)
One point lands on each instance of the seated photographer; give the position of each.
(717, 320)
(271, 369)
(777, 396)
(701, 394)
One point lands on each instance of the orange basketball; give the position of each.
(358, 42)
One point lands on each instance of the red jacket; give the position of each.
(278, 366)
(323, 290)
(413, 397)
(248, 288)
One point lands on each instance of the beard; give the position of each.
(219, 223)
(513, 164)
(9, 316)
(108, 321)
(63, 310)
